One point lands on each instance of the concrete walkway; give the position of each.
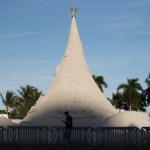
(72, 147)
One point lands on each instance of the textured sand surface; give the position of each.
(127, 119)
(72, 89)
(6, 122)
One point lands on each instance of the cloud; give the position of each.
(24, 34)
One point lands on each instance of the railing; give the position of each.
(80, 136)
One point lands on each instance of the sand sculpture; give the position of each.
(73, 89)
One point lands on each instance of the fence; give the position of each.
(80, 135)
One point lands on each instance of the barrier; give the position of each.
(80, 135)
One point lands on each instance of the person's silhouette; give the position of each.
(68, 123)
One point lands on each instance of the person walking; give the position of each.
(68, 124)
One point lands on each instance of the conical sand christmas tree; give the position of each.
(73, 89)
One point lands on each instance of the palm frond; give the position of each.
(2, 98)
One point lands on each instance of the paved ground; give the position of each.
(72, 147)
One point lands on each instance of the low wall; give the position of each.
(4, 115)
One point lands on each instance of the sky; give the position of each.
(115, 35)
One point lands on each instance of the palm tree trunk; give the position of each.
(7, 109)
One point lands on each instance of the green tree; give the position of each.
(131, 93)
(100, 82)
(146, 92)
(2, 111)
(117, 100)
(26, 98)
(8, 101)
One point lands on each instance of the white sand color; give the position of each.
(6, 122)
(72, 89)
(127, 119)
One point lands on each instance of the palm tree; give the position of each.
(8, 100)
(131, 94)
(26, 98)
(117, 100)
(100, 82)
(146, 92)
(25, 92)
